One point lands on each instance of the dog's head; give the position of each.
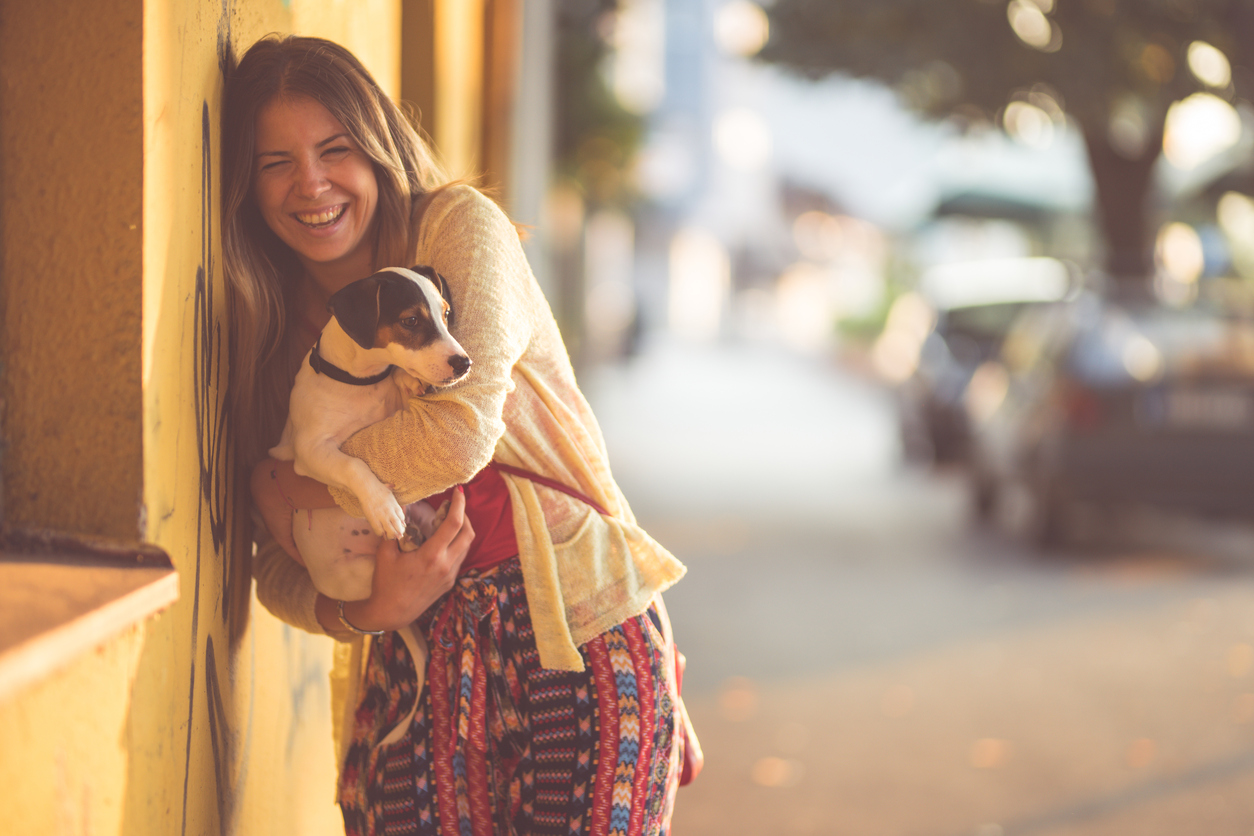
(407, 314)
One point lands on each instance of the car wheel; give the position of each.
(1051, 517)
(983, 498)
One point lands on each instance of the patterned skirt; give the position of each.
(499, 745)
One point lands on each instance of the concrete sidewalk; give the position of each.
(861, 663)
(1103, 726)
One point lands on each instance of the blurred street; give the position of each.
(863, 661)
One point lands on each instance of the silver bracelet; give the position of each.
(339, 608)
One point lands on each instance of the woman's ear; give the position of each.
(356, 308)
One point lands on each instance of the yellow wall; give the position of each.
(71, 172)
(71, 206)
(63, 765)
(246, 696)
(212, 717)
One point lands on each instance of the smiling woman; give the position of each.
(574, 676)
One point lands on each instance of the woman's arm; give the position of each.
(444, 438)
(284, 586)
(277, 491)
(405, 584)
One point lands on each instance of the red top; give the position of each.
(491, 515)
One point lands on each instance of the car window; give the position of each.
(982, 322)
(1033, 337)
(1200, 340)
(1151, 342)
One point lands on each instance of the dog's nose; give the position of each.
(460, 364)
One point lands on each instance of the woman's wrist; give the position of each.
(328, 610)
(359, 615)
(351, 624)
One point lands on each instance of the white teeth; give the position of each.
(319, 218)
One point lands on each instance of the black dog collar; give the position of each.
(334, 372)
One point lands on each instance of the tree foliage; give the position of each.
(595, 138)
(1115, 66)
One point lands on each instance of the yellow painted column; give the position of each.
(71, 179)
(459, 29)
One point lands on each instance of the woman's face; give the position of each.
(315, 188)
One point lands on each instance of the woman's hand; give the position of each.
(277, 491)
(405, 584)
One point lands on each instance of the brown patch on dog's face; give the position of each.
(414, 327)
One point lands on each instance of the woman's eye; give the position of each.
(273, 166)
(336, 152)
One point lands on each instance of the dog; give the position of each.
(388, 339)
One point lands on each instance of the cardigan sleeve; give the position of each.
(444, 438)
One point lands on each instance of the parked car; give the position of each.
(972, 304)
(1112, 402)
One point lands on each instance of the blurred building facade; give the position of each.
(140, 695)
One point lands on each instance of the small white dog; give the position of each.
(388, 338)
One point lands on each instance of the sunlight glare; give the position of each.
(1235, 212)
(699, 283)
(987, 390)
(817, 235)
(1142, 359)
(742, 138)
(741, 28)
(1180, 252)
(895, 354)
(1029, 124)
(637, 66)
(804, 308)
(1029, 23)
(1198, 128)
(1209, 65)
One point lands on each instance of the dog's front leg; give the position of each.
(410, 386)
(325, 462)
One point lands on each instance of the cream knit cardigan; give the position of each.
(584, 573)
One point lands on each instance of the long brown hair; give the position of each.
(262, 273)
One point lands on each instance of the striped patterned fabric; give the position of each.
(498, 744)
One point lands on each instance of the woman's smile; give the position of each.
(322, 219)
(316, 190)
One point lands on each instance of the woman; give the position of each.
(549, 702)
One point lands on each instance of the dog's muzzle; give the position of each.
(460, 364)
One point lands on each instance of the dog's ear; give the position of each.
(356, 308)
(440, 284)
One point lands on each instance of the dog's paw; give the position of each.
(440, 516)
(387, 518)
(422, 521)
(412, 540)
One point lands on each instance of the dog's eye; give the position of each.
(410, 321)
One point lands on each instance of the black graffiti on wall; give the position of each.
(217, 518)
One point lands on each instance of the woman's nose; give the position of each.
(311, 180)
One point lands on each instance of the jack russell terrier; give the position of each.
(387, 339)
